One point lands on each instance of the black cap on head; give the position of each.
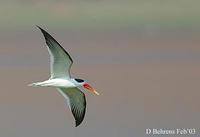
(79, 80)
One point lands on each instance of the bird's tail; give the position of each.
(35, 84)
(46, 83)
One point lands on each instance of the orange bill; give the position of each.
(90, 88)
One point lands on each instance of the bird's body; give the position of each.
(57, 82)
(60, 78)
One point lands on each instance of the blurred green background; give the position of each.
(97, 14)
(143, 56)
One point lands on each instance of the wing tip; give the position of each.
(78, 122)
(39, 28)
(47, 36)
(42, 30)
(78, 119)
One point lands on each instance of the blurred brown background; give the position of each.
(142, 56)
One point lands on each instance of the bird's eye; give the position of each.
(79, 80)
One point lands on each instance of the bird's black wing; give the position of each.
(61, 61)
(77, 102)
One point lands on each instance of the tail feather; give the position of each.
(43, 84)
(34, 84)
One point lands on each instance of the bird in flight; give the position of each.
(60, 65)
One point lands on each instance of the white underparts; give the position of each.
(55, 83)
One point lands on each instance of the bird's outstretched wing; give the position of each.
(61, 61)
(77, 102)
